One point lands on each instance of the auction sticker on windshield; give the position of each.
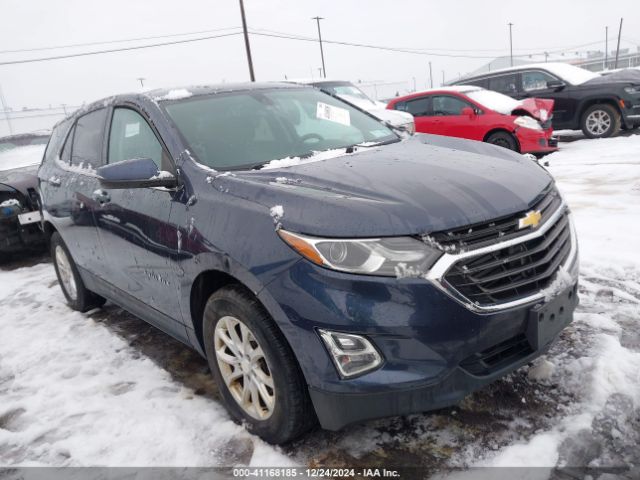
(333, 114)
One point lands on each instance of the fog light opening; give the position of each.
(351, 354)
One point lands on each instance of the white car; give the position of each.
(348, 92)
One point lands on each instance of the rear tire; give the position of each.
(600, 121)
(256, 371)
(78, 296)
(503, 139)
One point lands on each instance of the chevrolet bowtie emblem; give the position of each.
(531, 219)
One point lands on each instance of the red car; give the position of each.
(479, 114)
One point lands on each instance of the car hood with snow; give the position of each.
(423, 184)
(538, 108)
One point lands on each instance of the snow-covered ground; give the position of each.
(104, 388)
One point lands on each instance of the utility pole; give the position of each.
(511, 43)
(246, 42)
(324, 70)
(618, 47)
(442, 78)
(5, 109)
(430, 75)
(606, 48)
(546, 57)
(141, 80)
(414, 84)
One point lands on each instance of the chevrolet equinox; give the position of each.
(330, 269)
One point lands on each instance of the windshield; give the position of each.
(21, 151)
(250, 128)
(493, 100)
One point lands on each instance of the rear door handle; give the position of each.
(101, 196)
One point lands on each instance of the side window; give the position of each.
(483, 82)
(87, 139)
(418, 107)
(447, 105)
(535, 80)
(506, 84)
(402, 106)
(132, 137)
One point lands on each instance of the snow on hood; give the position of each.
(20, 157)
(536, 107)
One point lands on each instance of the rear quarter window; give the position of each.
(58, 136)
(88, 139)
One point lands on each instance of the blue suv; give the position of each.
(330, 269)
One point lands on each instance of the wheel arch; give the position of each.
(503, 130)
(590, 102)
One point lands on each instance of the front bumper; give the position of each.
(536, 141)
(336, 410)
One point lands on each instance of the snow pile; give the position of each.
(162, 174)
(495, 101)
(277, 213)
(75, 392)
(176, 94)
(12, 202)
(562, 280)
(20, 157)
(315, 157)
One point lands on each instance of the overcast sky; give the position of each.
(445, 25)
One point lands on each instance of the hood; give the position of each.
(20, 178)
(538, 108)
(420, 185)
(626, 76)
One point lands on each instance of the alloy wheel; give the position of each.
(66, 274)
(244, 368)
(598, 122)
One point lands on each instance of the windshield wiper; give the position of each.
(351, 148)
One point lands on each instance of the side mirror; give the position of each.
(135, 173)
(556, 84)
(468, 111)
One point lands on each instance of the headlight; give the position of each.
(389, 257)
(528, 122)
(633, 90)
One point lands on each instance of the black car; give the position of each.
(328, 268)
(598, 105)
(20, 156)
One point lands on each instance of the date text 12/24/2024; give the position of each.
(315, 473)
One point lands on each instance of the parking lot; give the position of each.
(87, 389)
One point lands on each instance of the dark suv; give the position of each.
(329, 269)
(598, 105)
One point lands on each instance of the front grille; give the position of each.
(513, 272)
(498, 356)
(500, 229)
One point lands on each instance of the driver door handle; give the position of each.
(101, 196)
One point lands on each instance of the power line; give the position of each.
(123, 40)
(123, 49)
(275, 34)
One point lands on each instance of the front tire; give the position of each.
(78, 296)
(600, 121)
(503, 139)
(257, 373)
